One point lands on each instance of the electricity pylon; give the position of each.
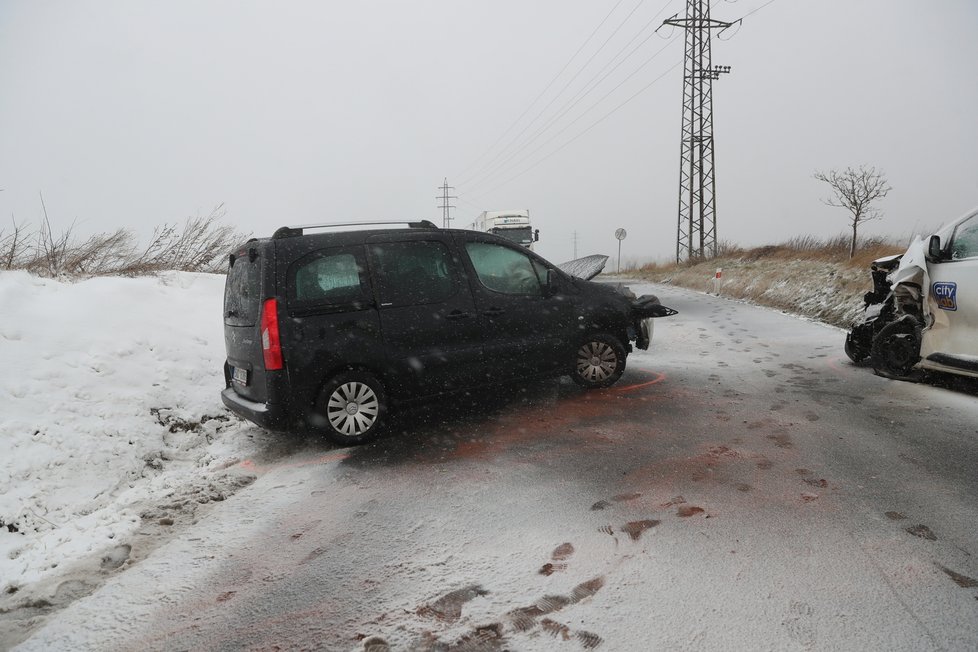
(696, 235)
(445, 206)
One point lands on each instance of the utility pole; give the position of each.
(696, 235)
(575, 245)
(446, 217)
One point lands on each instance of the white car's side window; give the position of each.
(964, 242)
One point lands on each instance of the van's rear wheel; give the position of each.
(598, 362)
(351, 408)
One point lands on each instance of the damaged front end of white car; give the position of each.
(923, 311)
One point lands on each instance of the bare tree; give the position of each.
(856, 190)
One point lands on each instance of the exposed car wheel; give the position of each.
(598, 362)
(351, 408)
(857, 348)
(896, 348)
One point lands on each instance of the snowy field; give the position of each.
(111, 417)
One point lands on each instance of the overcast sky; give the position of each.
(135, 113)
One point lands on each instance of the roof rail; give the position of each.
(295, 231)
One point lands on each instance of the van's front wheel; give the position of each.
(351, 407)
(598, 362)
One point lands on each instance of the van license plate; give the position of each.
(240, 375)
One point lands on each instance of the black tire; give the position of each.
(857, 350)
(896, 348)
(350, 409)
(599, 361)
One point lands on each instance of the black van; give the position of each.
(325, 328)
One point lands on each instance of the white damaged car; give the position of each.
(923, 311)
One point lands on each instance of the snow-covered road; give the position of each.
(742, 487)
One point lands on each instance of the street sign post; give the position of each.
(620, 234)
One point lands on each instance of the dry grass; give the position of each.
(805, 275)
(199, 246)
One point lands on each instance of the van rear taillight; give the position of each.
(271, 344)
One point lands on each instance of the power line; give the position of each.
(543, 92)
(740, 21)
(477, 207)
(603, 98)
(588, 110)
(753, 11)
(609, 113)
(586, 130)
(462, 199)
(564, 88)
(581, 94)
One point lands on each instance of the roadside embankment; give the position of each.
(818, 284)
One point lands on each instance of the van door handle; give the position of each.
(492, 312)
(457, 314)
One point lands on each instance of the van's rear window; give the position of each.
(241, 300)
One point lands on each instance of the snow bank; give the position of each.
(109, 403)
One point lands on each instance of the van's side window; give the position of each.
(328, 278)
(965, 241)
(504, 270)
(412, 273)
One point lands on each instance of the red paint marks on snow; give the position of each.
(659, 377)
(249, 465)
(569, 426)
(569, 421)
(838, 365)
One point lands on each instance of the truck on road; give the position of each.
(513, 225)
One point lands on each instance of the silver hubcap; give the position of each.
(596, 361)
(352, 408)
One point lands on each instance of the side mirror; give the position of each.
(536, 235)
(552, 285)
(934, 248)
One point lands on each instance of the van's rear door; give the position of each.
(245, 368)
